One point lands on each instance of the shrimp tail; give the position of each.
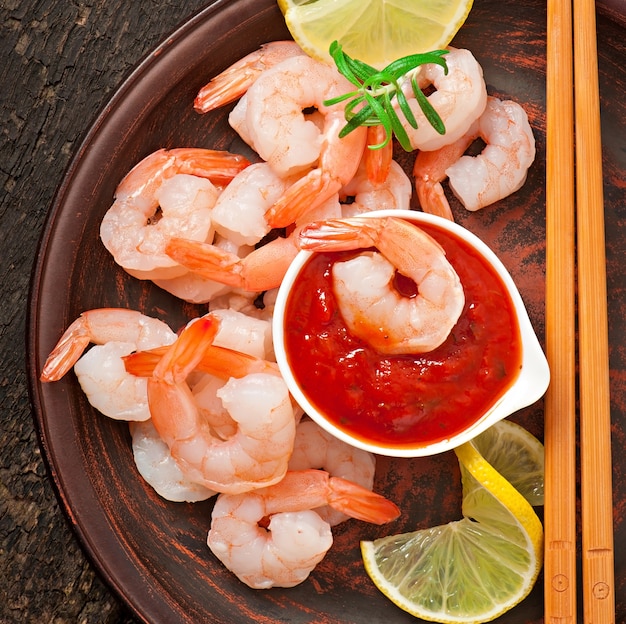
(206, 260)
(433, 200)
(184, 355)
(378, 155)
(143, 363)
(217, 361)
(235, 80)
(261, 270)
(307, 194)
(338, 234)
(219, 166)
(67, 351)
(361, 503)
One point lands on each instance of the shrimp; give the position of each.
(363, 286)
(258, 453)
(364, 195)
(296, 539)
(234, 81)
(293, 143)
(316, 448)
(430, 169)
(168, 193)
(158, 468)
(501, 168)
(261, 270)
(101, 371)
(239, 212)
(460, 98)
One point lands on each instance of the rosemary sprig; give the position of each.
(372, 102)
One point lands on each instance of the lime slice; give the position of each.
(374, 31)
(475, 569)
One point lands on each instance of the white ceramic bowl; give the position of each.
(530, 385)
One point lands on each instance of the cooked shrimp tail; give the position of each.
(234, 81)
(361, 503)
(217, 361)
(377, 161)
(308, 489)
(261, 270)
(430, 170)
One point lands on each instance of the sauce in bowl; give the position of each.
(404, 400)
(489, 366)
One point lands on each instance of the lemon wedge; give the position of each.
(477, 568)
(376, 32)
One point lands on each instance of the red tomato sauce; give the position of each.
(404, 400)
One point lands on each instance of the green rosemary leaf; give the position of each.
(427, 108)
(372, 102)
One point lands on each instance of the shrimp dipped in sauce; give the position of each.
(271, 537)
(371, 306)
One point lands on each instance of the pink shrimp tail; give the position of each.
(184, 355)
(219, 166)
(339, 234)
(67, 351)
(432, 200)
(377, 161)
(361, 503)
(206, 260)
(217, 361)
(307, 194)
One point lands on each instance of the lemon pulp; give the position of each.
(375, 31)
(477, 568)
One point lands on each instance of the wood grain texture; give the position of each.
(61, 64)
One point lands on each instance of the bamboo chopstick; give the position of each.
(560, 399)
(595, 410)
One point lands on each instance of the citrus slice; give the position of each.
(475, 569)
(375, 31)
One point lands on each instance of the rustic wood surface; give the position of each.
(61, 61)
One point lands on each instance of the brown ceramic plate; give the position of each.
(153, 553)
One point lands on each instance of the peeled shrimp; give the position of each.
(234, 81)
(316, 448)
(258, 453)
(100, 371)
(293, 142)
(501, 168)
(460, 98)
(394, 192)
(478, 181)
(239, 212)
(363, 286)
(296, 538)
(281, 133)
(169, 193)
(158, 468)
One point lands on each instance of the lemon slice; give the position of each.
(475, 569)
(375, 31)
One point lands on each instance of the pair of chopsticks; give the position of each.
(575, 217)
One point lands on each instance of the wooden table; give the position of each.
(61, 62)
